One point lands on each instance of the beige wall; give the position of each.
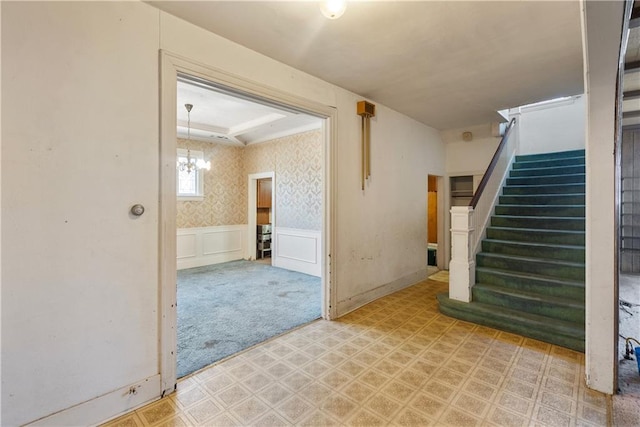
(469, 157)
(297, 163)
(552, 126)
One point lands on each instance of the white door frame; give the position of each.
(252, 206)
(170, 66)
(440, 254)
(440, 218)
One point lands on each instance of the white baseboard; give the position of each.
(107, 406)
(357, 301)
(200, 246)
(297, 250)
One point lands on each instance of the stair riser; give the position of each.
(528, 266)
(555, 311)
(543, 200)
(538, 236)
(541, 223)
(563, 170)
(569, 161)
(494, 277)
(544, 189)
(568, 341)
(547, 252)
(554, 211)
(550, 156)
(540, 180)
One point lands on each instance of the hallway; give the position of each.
(396, 361)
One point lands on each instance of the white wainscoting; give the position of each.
(200, 246)
(297, 250)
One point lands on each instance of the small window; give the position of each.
(190, 184)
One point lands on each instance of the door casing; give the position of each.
(171, 66)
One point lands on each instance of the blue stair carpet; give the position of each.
(530, 271)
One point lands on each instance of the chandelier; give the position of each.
(189, 163)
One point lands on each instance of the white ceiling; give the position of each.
(447, 64)
(218, 117)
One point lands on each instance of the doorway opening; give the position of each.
(227, 299)
(627, 208)
(432, 224)
(290, 244)
(264, 212)
(435, 224)
(629, 261)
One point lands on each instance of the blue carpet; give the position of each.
(225, 308)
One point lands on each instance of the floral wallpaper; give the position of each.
(225, 197)
(297, 163)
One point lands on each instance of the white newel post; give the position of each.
(462, 268)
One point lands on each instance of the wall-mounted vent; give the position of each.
(366, 109)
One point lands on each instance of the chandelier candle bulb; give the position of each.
(189, 163)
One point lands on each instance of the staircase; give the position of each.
(530, 271)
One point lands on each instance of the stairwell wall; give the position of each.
(556, 125)
(465, 158)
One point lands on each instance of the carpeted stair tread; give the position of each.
(535, 235)
(534, 276)
(537, 283)
(534, 164)
(534, 259)
(550, 156)
(533, 245)
(545, 266)
(533, 296)
(558, 188)
(547, 171)
(541, 222)
(544, 251)
(539, 230)
(547, 179)
(541, 210)
(559, 332)
(552, 306)
(574, 199)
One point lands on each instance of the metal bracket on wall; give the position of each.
(366, 110)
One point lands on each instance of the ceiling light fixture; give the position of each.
(333, 9)
(189, 164)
